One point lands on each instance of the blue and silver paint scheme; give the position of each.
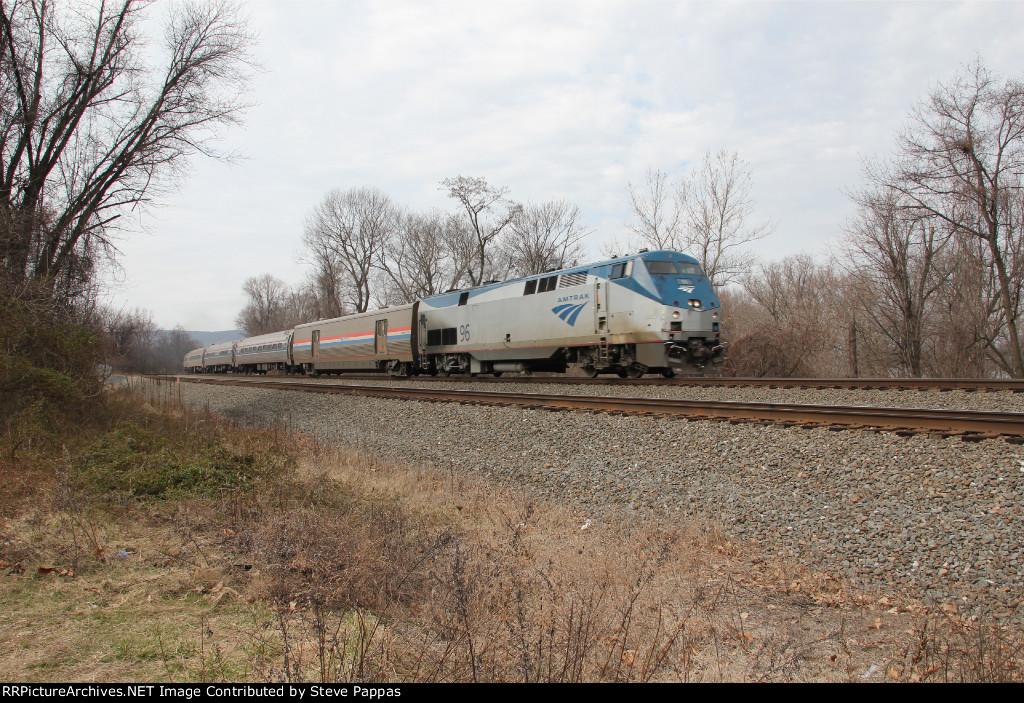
(650, 311)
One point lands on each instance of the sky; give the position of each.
(552, 100)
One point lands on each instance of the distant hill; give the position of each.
(205, 338)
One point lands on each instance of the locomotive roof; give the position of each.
(655, 254)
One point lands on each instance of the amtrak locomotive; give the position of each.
(654, 312)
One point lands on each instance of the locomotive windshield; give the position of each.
(673, 267)
(662, 267)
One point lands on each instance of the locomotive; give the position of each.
(652, 312)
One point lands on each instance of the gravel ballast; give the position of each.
(931, 517)
(1000, 401)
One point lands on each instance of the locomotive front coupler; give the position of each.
(695, 353)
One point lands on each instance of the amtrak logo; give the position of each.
(569, 312)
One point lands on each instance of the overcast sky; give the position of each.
(553, 100)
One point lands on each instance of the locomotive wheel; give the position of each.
(589, 371)
(668, 373)
(622, 373)
(497, 374)
(635, 371)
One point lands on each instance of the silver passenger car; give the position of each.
(266, 352)
(382, 340)
(219, 358)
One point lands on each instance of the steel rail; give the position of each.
(945, 384)
(975, 422)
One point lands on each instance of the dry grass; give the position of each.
(341, 568)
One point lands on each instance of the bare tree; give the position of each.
(894, 249)
(961, 161)
(545, 237)
(346, 235)
(326, 282)
(715, 205)
(965, 315)
(487, 212)
(655, 207)
(170, 348)
(266, 310)
(706, 215)
(88, 131)
(793, 310)
(430, 253)
(129, 336)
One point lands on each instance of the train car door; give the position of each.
(316, 344)
(601, 306)
(617, 315)
(381, 337)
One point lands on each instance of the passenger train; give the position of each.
(653, 312)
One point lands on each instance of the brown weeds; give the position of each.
(337, 567)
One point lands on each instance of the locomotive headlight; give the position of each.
(694, 303)
(675, 314)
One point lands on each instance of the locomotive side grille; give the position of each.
(441, 337)
(573, 279)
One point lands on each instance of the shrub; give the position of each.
(49, 367)
(155, 463)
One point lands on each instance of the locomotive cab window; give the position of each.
(690, 269)
(464, 298)
(620, 270)
(531, 287)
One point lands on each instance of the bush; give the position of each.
(157, 463)
(49, 367)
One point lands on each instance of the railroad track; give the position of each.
(967, 424)
(942, 384)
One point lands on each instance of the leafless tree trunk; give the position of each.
(966, 314)
(488, 213)
(545, 237)
(326, 280)
(86, 135)
(893, 247)
(429, 254)
(961, 161)
(348, 232)
(715, 205)
(655, 207)
(265, 312)
(705, 216)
